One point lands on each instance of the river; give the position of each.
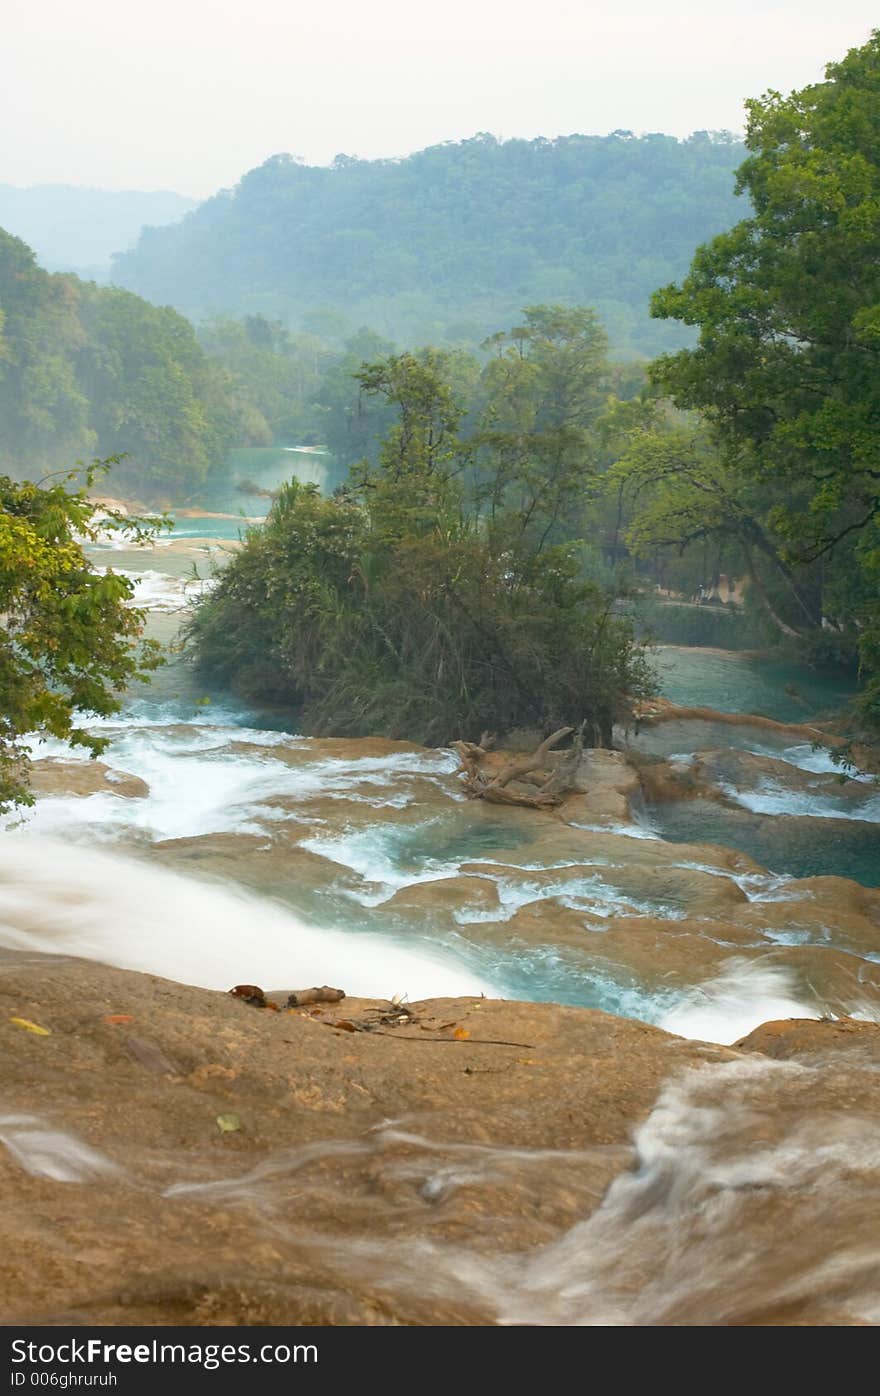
(361, 861)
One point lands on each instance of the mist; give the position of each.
(189, 97)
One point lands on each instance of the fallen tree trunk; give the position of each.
(322, 994)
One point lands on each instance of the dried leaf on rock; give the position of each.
(31, 1027)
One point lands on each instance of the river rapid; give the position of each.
(716, 873)
(234, 850)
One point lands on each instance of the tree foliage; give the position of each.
(400, 606)
(70, 637)
(86, 369)
(787, 370)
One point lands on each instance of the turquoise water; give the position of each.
(732, 682)
(211, 527)
(727, 681)
(266, 467)
(798, 846)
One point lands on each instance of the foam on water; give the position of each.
(51, 1153)
(377, 855)
(741, 1202)
(214, 774)
(635, 830)
(369, 853)
(819, 759)
(578, 893)
(731, 1005)
(158, 591)
(120, 540)
(768, 797)
(758, 887)
(200, 783)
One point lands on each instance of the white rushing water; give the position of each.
(61, 898)
(745, 994)
(157, 591)
(208, 779)
(737, 1199)
(50, 1153)
(771, 797)
(205, 772)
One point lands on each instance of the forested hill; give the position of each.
(79, 230)
(448, 244)
(90, 370)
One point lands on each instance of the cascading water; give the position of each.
(347, 837)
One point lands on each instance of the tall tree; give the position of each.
(536, 448)
(787, 369)
(395, 608)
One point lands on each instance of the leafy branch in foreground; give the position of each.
(70, 638)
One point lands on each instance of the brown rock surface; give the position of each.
(434, 1171)
(51, 777)
(791, 1038)
(656, 710)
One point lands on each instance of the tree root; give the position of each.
(551, 787)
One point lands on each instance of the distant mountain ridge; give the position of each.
(79, 229)
(448, 244)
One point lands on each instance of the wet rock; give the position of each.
(784, 788)
(793, 1038)
(604, 784)
(52, 777)
(148, 1054)
(475, 894)
(606, 1172)
(674, 780)
(660, 710)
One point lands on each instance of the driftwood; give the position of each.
(549, 787)
(324, 994)
(256, 997)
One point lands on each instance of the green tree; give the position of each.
(393, 608)
(787, 369)
(70, 638)
(446, 245)
(44, 414)
(536, 448)
(683, 495)
(86, 369)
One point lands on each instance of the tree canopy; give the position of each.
(418, 601)
(786, 373)
(87, 369)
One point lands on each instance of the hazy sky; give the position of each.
(188, 94)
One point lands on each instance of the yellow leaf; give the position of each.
(460, 1034)
(31, 1027)
(228, 1124)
